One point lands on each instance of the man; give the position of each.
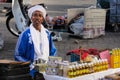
(35, 43)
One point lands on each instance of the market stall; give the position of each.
(87, 67)
(93, 76)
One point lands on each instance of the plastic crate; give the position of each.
(74, 57)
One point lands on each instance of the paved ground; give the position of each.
(110, 40)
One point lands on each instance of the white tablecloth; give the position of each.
(93, 76)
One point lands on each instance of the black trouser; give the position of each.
(39, 76)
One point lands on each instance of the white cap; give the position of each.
(36, 8)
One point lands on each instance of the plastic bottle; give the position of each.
(80, 69)
(112, 58)
(69, 73)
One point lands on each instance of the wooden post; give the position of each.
(80, 54)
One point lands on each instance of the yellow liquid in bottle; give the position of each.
(112, 59)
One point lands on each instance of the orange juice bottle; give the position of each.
(103, 64)
(95, 66)
(114, 53)
(70, 70)
(77, 70)
(115, 59)
(74, 70)
(111, 58)
(119, 57)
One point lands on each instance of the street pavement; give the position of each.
(109, 41)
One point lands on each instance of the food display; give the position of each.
(52, 65)
(115, 58)
(89, 62)
(41, 67)
(85, 68)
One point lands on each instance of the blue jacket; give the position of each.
(24, 50)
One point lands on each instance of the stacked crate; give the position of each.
(12, 70)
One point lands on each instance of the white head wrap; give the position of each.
(36, 7)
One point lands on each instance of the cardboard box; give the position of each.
(94, 23)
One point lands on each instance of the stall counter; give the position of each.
(93, 76)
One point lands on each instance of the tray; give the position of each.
(17, 71)
(10, 64)
(18, 77)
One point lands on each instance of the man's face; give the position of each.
(37, 18)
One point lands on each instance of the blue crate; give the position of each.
(74, 57)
